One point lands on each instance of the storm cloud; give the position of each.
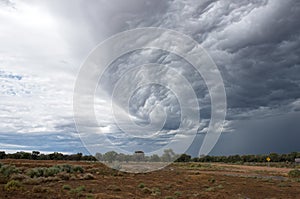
(255, 44)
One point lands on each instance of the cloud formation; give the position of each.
(255, 44)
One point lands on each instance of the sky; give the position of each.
(254, 43)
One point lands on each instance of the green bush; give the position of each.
(90, 196)
(141, 185)
(177, 193)
(7, 170)
(147, 190)
(67, 168)
(36, 172)
(169, 197)
(52, 171)
(78, 169)
(13, 185)
(156, 191)
(80, 188)
(294, 173)
(66, 187)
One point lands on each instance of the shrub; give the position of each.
(78, 169)
(88, 176)
(78, 191)
(64, 176)
(80, 188)
(7, 170)
(67, 168)
(40, 189)
(50, 179)
(210, 189)
(220, 186)
(33, 181)
(297, 180)
(177, 193)
(114, 188)
(147, 190)
(169, 197)
(13, 185)
(284, 184)
(52, 171)
(294, 173)
(168, 186)
(90, 196)
(156, 191)
(212, 180)
(36, 172)
(18, 176)
(66, 187)
(141, 185)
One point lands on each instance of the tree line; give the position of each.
(167, 156)
(274, 157)
(36, 155)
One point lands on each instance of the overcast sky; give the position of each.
(254, 43)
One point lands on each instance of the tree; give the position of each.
(110, 156)
(35, 155)
(274, 157)
(56, 156)
(127, 158)
(44, 157)
(2, 155)
(184, 158)
(99, 156)
(78, 156)
(23, 155)
(168, 155)
(139, 156)
(154, 158)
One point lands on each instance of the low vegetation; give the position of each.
(59, 179)
(294, 173)
(52, 171)
(66, 187)
(7, 170)
(13, 185)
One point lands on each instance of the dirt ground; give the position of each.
(179, 180)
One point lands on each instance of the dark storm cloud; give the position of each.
(256, 45)
(265, 64)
